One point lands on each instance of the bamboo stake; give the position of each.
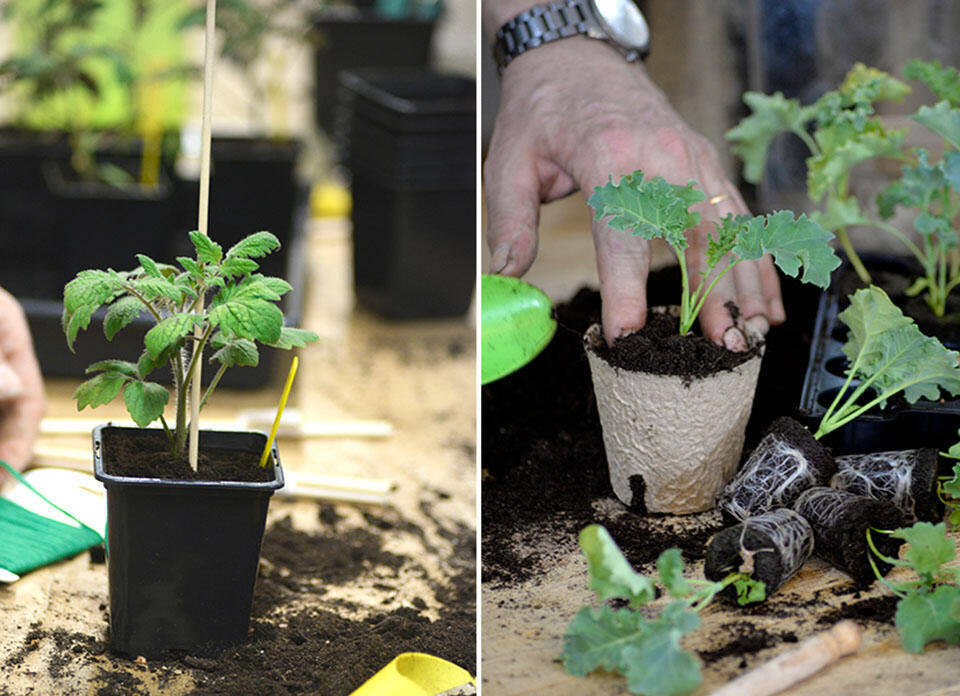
(203, 216)
(793, 666)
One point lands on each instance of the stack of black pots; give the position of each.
(408, 137)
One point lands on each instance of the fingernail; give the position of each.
(734, 340)
(500, 258)
(10, 385)
(758, 325)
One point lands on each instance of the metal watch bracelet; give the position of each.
(541, 24)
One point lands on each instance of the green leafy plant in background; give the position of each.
(929, 605)
(653, 208)
(889, 355)
(646, 651)
(242, 312)
(841, 130)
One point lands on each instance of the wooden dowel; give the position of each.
(793, 666)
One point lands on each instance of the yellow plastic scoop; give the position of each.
(516, 323)
(415, 674)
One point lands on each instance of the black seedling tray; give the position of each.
(900, 425)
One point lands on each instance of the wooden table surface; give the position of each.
(419, 376)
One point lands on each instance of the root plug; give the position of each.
(787, 462)
(908, 479)
(840, 521)
(770, 547)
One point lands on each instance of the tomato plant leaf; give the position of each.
(83, 295)
(255, 245)
(294, 338)
(120, 313)
(149, 266)
(145, 401)
(99, 390)
(168, 332)
(208, 251)
(236, 266)
(119, 366)
(239, 351)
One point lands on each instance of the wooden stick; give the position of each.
(196, 393)
(793, 666)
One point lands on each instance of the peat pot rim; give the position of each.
(109, 480)
(593, 338)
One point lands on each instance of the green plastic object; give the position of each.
(516, 323)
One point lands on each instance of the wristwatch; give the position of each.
(618, 22)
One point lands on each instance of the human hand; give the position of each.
(22, 400)
(574, 113)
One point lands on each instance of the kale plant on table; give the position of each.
(653, 208)
(241, 312)
(889, 355)
(645, 650)
(929, 605)
(845, 132)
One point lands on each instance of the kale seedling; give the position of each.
(646, 651)
(929, 606)
(241, 312)
(653, 208)
(888, 354)
(845, 132)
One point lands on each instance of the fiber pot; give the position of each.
(183, 555)
(672, 442)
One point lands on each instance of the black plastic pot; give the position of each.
(900, 425)
(183, 555)
(414, 203)
(360, 38)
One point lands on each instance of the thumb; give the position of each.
(10, 384)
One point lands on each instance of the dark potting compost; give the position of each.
(659, 349)
(840, 521)
(787, 461)
(908, 479)
(770, 547)
(300, 641)
(147, 454)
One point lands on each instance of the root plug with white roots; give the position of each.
(908, 479)
(769, 548)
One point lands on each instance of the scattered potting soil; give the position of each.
(659, 349)
(878, 609)
(544, 467)
(748, 639)
(132, 453)
(300, 641)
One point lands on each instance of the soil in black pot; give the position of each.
(840, 521)
(147, 454)
(771, 548)
(659, 349)
(908, 479)
(787, 461)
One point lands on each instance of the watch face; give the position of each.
(624, 22)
